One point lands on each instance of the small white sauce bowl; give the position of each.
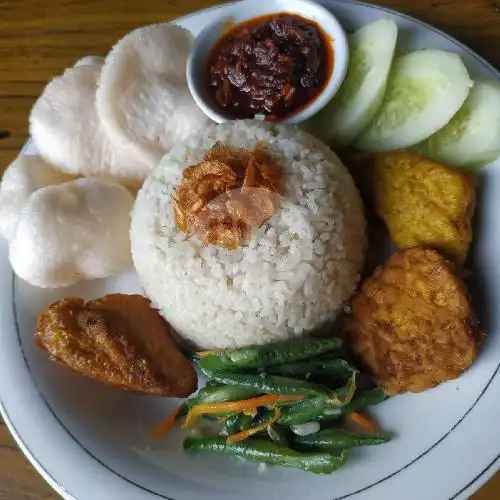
(246, 10)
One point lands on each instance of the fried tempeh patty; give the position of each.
(412, 324)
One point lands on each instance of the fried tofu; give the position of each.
(412, 324)
(424, 203)
(119, 340)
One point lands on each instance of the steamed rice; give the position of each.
(292, 277)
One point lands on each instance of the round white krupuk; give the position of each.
(24, 176)
(143, 98)
(68, 133)
(72, 232)
(291, 277)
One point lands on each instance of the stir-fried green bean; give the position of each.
(316, 407)
(259, 450)
(339, 439)
(219, 393)
(259, 357)
(283, 368)
(272, 384)
(313, 408)
(335, 368)
(237, 423)
(303, 411)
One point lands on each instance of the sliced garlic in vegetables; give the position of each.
(333, 411)
(305, 429)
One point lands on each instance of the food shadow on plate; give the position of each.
(477, 276)
(93, 412)
(379, 244)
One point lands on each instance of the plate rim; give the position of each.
(473, 485)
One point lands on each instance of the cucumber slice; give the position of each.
(353, 108)
(472, 138)
(425, 89)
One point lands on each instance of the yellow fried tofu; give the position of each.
(424, 203)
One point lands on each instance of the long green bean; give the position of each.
(219, 393)
(335, 368)
(340, 439)
(303, 411)
(237, 423)
(259, 450)
(272, 384)
(259, 357)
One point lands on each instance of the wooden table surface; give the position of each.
(39, 38)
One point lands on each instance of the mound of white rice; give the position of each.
(293, 275)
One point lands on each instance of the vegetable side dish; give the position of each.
(273, 65)
(371, 50)
(280, 404)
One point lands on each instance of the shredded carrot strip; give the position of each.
(240, 436)
(203, 354)
(245, 404)
(166, 426)
(363, 421)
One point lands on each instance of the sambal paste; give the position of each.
(273, 65)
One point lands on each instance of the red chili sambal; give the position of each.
(273, 65)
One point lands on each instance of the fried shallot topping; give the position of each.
(231, 192)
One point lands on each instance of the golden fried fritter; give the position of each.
(412, 324)
(119, 340)
(424, 203)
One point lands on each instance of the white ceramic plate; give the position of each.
(90, 442)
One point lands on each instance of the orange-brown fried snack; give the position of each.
(411, 324)
(119, 340)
